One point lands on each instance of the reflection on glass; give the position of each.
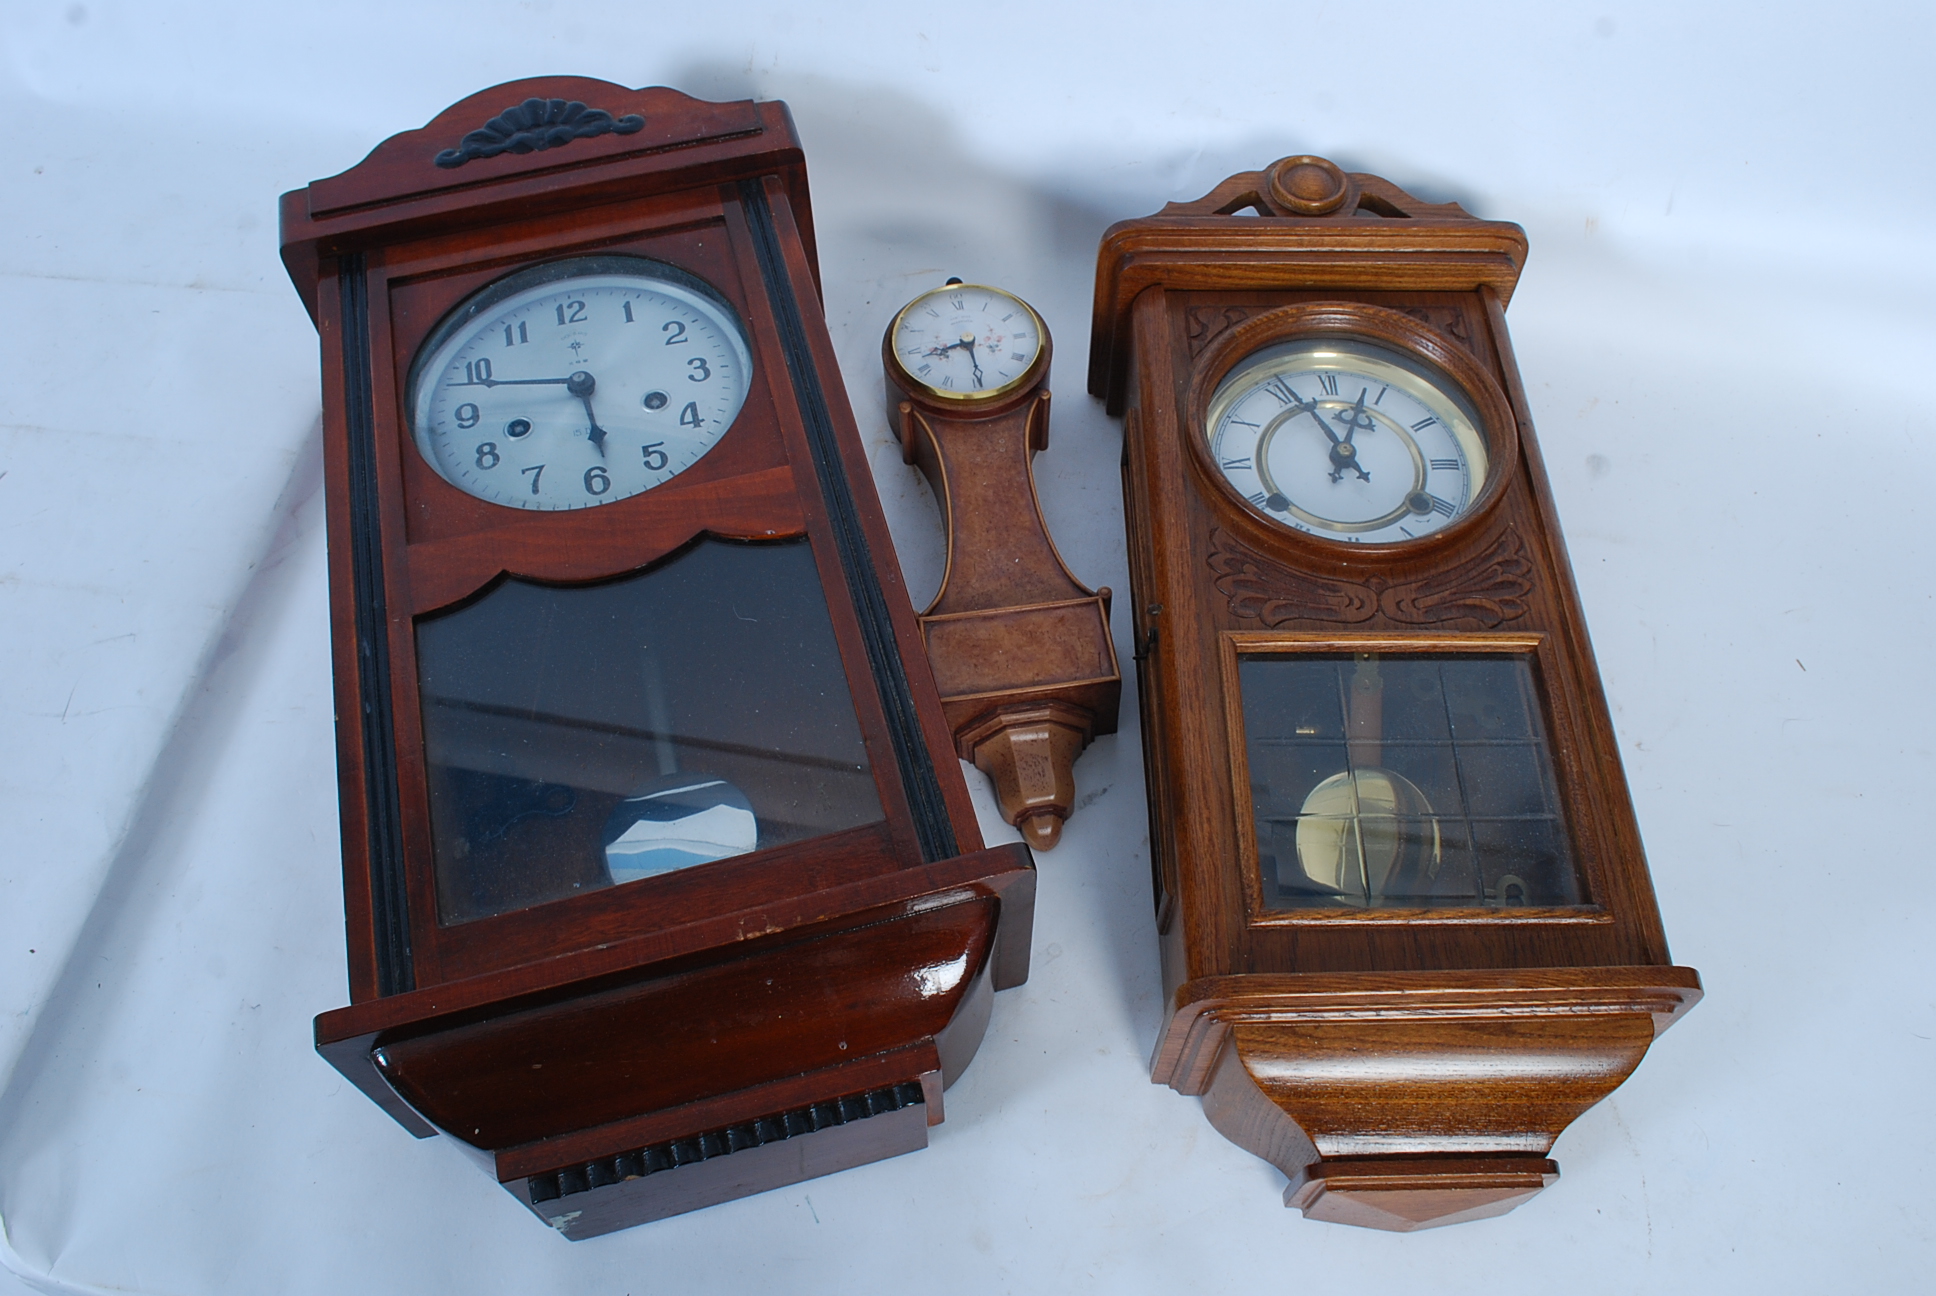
(577, 738)
(1403, 782)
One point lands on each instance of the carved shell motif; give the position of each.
(1490, 589)
(536, 125)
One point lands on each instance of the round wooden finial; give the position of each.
(1308, 186)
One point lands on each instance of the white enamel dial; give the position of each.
(966, 341)
(579, 383)
(1347, 440)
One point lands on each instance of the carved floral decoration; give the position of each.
(1490, 589)
(1206, 322)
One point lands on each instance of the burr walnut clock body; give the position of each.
(1406, 925)
(662, 883)
(1020, 647)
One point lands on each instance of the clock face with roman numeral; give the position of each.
(579, 383)
(1347, 440)
(966, 341)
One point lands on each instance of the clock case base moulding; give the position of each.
(640, 1050)
(1403, 1068)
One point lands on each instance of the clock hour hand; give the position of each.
(1344, 455)
(1355, 419)
(581, 385)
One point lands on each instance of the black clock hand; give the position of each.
(1311, 407)
(1344, 455)
(1355, 419)
(514, 382)
(975, 364)
(582, 385)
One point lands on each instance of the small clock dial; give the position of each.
(1347, 440)
(579, 383)
(966, 341)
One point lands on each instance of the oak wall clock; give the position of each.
(662, 883)
(1406, 925)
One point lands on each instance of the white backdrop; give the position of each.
(1726, 335)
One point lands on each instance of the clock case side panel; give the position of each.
(376, 908)
(1184, 745)
(924, 741)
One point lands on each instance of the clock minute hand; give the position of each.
(514, 382)
(1311, 407)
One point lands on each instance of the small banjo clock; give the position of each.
(1407, 930)
(1020, 647)
(662, 883)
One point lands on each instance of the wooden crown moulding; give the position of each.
(1405, 1067)
(634, 1049)
(1315, 226)
(402, 189)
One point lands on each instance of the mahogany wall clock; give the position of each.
(662, 883)
(1407, 929)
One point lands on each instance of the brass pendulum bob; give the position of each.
(1367, 833)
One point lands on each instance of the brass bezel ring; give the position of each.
(1380, 326)
(987, 395)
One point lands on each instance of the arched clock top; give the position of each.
(1314, 188)
(1299, 224)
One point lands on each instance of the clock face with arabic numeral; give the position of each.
(1347, 440)
(579, 383)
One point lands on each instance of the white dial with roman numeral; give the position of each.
(579, 383)
(1347, 440)
(966, 341)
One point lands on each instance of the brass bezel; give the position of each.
(1379, 326)
(916, 386)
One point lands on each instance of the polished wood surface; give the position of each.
(1021, 649)
(657, 1018)
(1403, 1066)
